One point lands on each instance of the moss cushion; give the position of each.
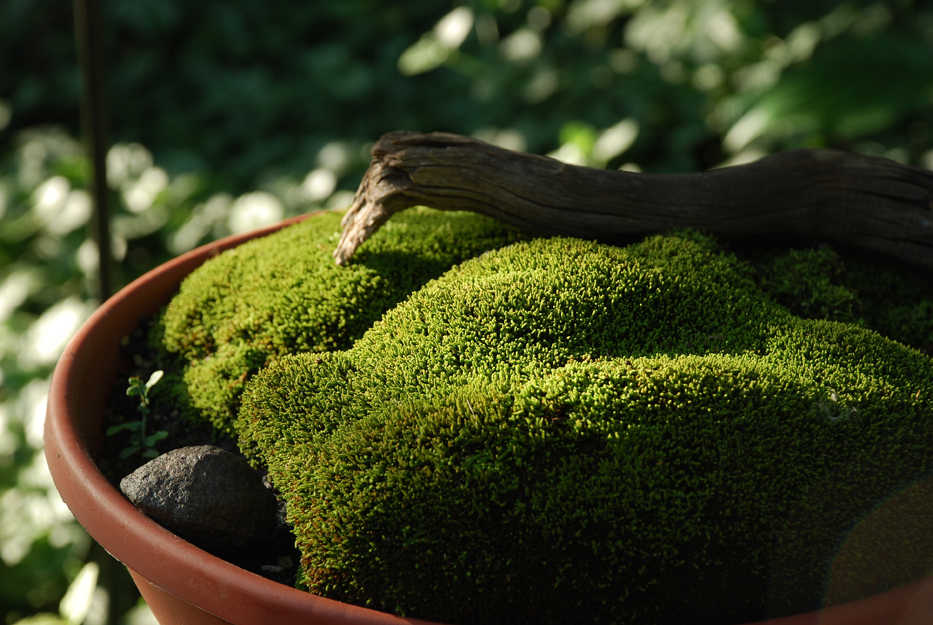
(284, 294)
(642, 433)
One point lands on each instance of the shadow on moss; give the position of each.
(640, 433)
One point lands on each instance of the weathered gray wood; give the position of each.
(868, 203)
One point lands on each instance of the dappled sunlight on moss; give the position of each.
(648, 410)
(226, 323)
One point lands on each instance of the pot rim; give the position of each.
(171, 563)
(186, 571)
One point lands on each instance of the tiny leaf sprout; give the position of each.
(140, 442)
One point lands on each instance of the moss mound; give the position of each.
(642, 433)
(875, 293)
(283, 294)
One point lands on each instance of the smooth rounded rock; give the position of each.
(207, 495)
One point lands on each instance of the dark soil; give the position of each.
(278, 560)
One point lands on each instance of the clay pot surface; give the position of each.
(185, 585)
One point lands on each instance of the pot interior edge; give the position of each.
(93, 355)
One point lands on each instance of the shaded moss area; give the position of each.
(822, 283)
(646, 434)
(284, 294)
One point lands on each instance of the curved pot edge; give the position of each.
(199, 578)
(73, 429)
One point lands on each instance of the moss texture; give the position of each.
(823, 283)
(642, 433)
(284, 294)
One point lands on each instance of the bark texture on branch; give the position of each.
(868, 203)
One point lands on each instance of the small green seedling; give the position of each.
(140, 443)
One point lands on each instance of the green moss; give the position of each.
(284, 294)
(807, 281)
(641, 433)
(895, 301)
(822, 283)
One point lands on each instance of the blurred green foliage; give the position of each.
(250, 91)
(229, 115)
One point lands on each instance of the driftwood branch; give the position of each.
(868, 203)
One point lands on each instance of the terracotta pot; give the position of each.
(183, 584)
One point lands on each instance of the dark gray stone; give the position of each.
(207, 495)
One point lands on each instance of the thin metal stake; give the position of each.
(94, 124)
